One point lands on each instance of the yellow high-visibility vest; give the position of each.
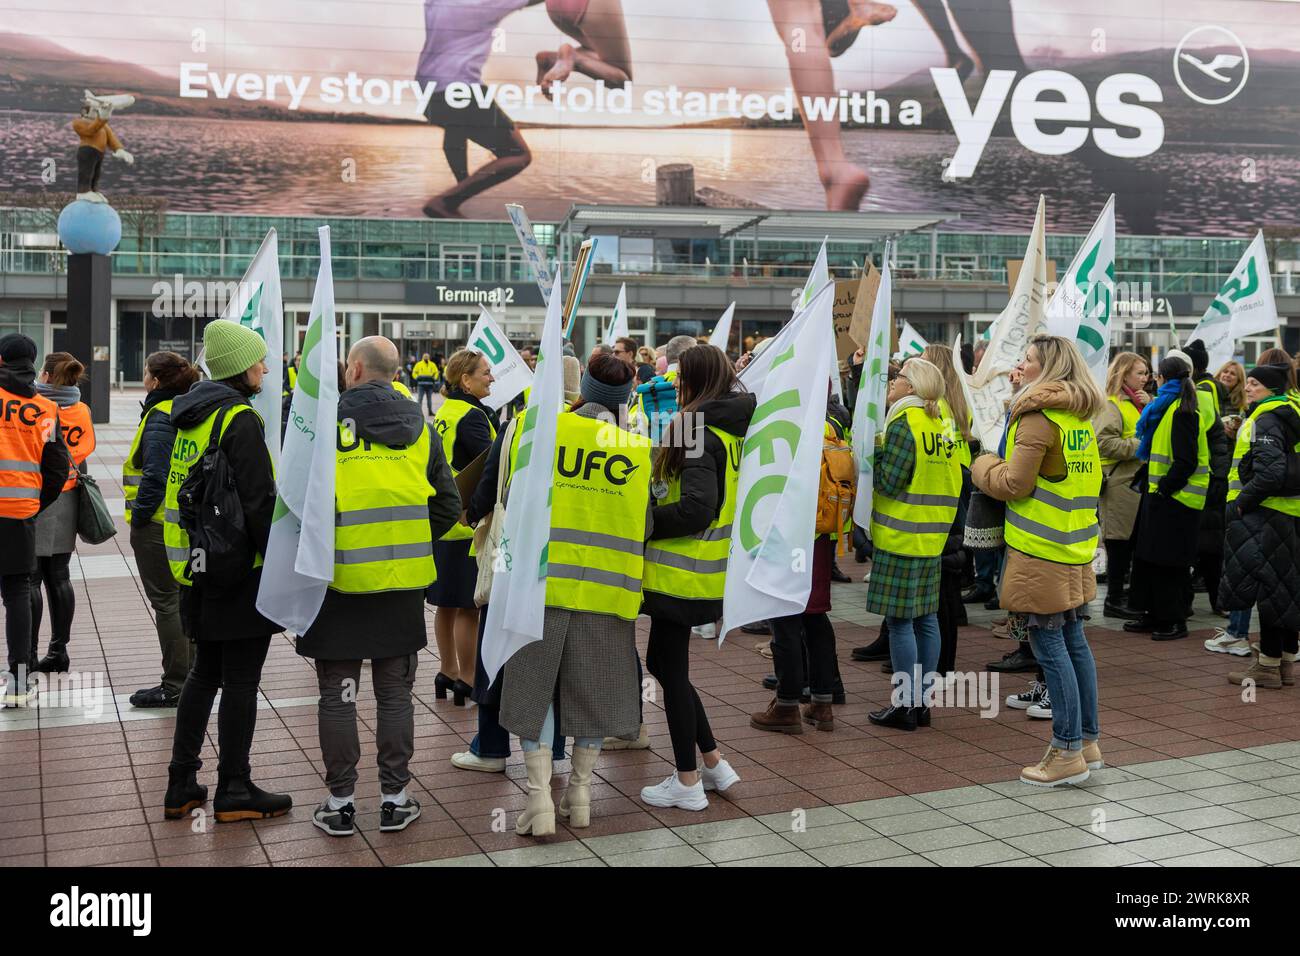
(446, 421)
(1129, 415)
(1057, 521)
(382, 539)
(1286, 504)
(917, 522)
(1193, 493)
(133, 473)
(694, 566)
(960, 445)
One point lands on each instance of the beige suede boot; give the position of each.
(575, 805)
(538, 818)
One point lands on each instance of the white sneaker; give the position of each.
(472, 761)
(705, 632)
(1036, 694)
(718, 778)
(1041, 710)
(672, 793)
(1221, 641)
(1239, 648)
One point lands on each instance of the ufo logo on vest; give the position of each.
(1211, 64)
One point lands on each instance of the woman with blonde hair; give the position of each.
(917, 493)
(1233, 377)
(1049, 474)
(1117, 442)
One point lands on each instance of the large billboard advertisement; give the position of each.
(1189, 112)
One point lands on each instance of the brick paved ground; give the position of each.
(1197, 776)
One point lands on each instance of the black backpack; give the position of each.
(221, 554)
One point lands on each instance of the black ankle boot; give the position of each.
(244, 800)
(184, 793)
(55, 662)
(904, 718)
(922, 716)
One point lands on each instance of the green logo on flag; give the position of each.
(306, 377)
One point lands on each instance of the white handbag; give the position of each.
(487, 536)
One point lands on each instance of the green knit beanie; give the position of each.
(230, 349)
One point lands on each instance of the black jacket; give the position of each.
(1166, 532)
(703, 489)
(1210, 537)
(473, 431)
(1262, 549)
(18, 535)
(386, 623)
(153, 456)
(222, 614)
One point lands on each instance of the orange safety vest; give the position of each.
(26, 424)
(79, 436)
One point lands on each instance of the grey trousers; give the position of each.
(393, 679)
(164, 597)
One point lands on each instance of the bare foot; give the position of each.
(439, 208)
(559, 68)
(862, 13)
(844, 193)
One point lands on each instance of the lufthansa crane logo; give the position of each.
(1204, 71)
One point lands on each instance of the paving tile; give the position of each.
(1168, 803)
(1019, 825)
(1087, 815)
(851, 832)
(541, 853)
(1054, 841)
(961, 796)
(1235, 835)
(1021, 861)
(1110, 854)
(782, 860)
(723, 851)
(1221, 761)
(1201, 818)
(846, 854)
(912, 822)
(811, 817)
(721, 830)
(607, 846)
(868, 810)
(1273, 852)
(1212, 858)
(660, 856)
(1134, 828)
(977, 854)
(476, 859)
(997, 809)
(909, 860)
(1163, 847)
(940, 839)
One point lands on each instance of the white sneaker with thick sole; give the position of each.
(718, 778)
(472, 761)
(1221, 641)
(672, 793)
(1239, 648)
(705, 632)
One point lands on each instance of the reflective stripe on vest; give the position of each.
(446, 421)
(599, 495)
(1129, 415)
(1162, 449)
(188, 448)
(26, 424)
(694, 566)
(1057, 521)
(1289, 505)
(954, 433)
(916, 523)
(79, 436)
(382, 539)
(131, 472)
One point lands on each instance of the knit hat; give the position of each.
(1272, 377)
(572, 379)
(16, 347)
(1182, 357)
(230, 349)
(611, 396)
(1195, 350)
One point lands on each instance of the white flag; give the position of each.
(1020, 321)
(1083, 306)
(869, 412)
(1244, 306)
(258, 306)
(618, 324)
(517, 606)
(510, 373)
(721, 336)
(299, 561)
(910, 342)
(769, 571)
(532, 251)
(818, 277)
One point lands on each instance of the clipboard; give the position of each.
(469, 476)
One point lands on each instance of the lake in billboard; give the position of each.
(452, 108)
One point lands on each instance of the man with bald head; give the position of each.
(394, 495)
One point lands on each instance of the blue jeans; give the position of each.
(988, 566)
(1071, 675)
(548, 732)
(493, 741)
(1239, 623)
(914, 654)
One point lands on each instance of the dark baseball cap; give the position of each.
(16, 347)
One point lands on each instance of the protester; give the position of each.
(33, 471)
(917, 494)
(1233, 378)
(393, 492)
(1172, 435)
(1117, 443)
(144, 480)
(466, 427)
(1212, 396)
(426, 382)
(231, 636)
(1050, 477)
(686, 559)
(56, 526)
(581, 677)
(1263, 535)
(625, 351)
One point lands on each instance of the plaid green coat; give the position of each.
(900, 586)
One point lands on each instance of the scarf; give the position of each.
(1149, 421)
(61, 395)
(902, 405)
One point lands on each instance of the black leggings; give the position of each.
(950, 607)
(234, 668)
(1119, 561)
(1274, 641)
(14, 590)
(53, 572)
(668, 658)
